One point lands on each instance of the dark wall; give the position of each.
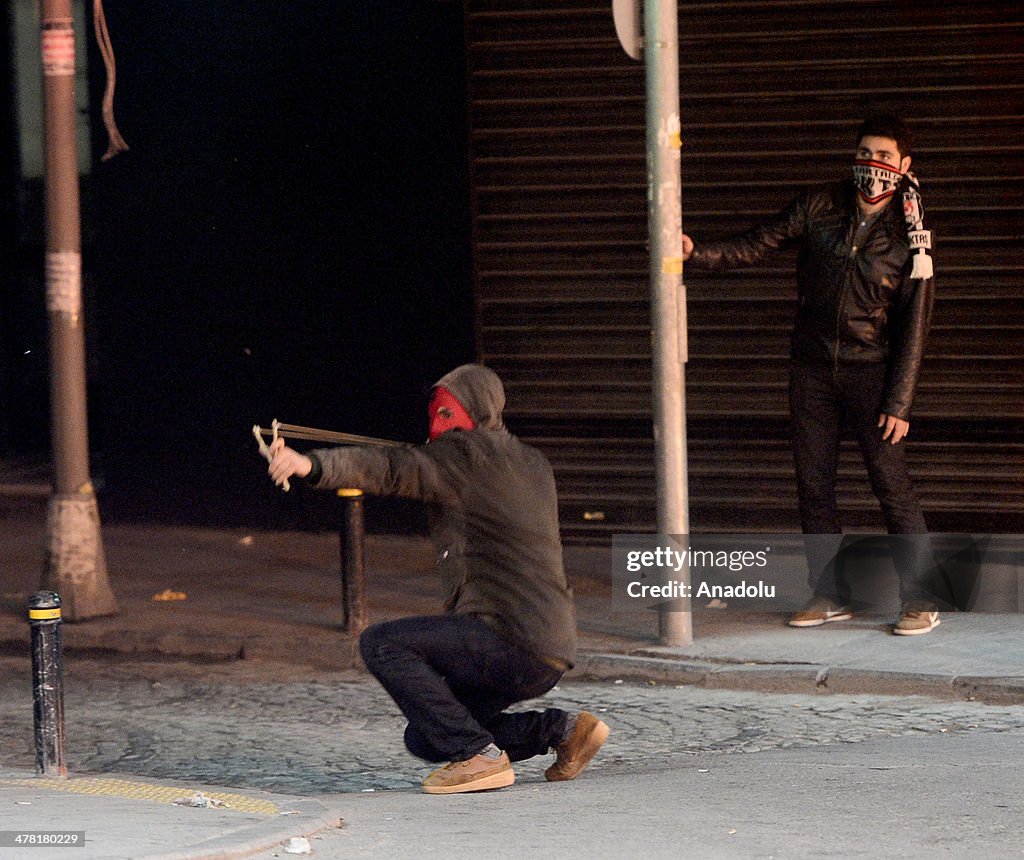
(288, 237)
(8, 234)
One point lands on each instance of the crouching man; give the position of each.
(508, 632)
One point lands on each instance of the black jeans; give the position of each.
(452, 676)
(824, 400)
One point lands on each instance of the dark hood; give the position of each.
(480, 391)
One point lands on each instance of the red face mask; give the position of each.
(446, 413)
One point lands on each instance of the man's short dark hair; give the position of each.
(891, 126)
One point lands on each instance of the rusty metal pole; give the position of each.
(353, 565)
(75, 564)
(44, 618)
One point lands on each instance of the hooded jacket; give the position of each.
(855, 302)
(494, 515)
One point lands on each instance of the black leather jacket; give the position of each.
(856, 303)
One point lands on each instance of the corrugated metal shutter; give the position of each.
(772, 94)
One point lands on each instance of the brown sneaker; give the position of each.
(576, 751)
(915, 619)
(474, 774)
(820, 610)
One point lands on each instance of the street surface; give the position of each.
(925, 796)
(225, 725)
(686, 771)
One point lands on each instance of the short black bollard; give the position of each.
(353, 572)
(47, 682)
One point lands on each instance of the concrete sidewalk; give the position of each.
(130, 817)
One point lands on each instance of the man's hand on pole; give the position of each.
(895, 428)
(687, 247)
(285, 462)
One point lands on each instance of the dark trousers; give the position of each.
(825, 400)
(453, 676)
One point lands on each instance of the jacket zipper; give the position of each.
(842, 293)
(846, 280)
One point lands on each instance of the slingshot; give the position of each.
(295, 431)
(258, 432)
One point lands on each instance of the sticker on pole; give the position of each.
(58, 46)
(64, 282)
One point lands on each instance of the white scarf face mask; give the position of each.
(875, 181)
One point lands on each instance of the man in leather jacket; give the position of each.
(509, 630)
(864, 308)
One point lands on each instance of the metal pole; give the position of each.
(47, 683)
(668, 298)
(353, 567)
(75, 563)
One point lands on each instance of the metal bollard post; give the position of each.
(47, 683)
(353, 572)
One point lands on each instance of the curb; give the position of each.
(195, 646)
(312, 817)
(1007, 690)
(638, 665)
(805, 678)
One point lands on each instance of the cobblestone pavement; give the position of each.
(274, 728)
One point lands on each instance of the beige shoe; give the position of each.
(820, 610)
(576, 751)
(474, 774)
(915, 619)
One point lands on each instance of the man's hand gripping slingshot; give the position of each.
(294, 431)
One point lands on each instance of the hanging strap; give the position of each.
(116, 143)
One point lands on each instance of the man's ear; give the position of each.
(905, 165)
